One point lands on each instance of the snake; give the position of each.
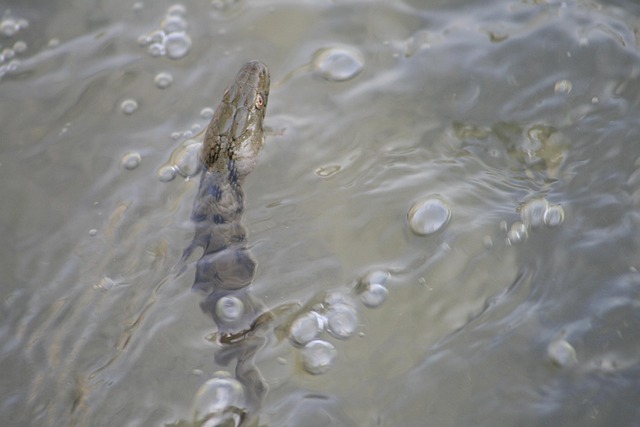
(232, 144)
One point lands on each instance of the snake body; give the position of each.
(232, 144)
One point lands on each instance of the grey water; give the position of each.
(445, 214)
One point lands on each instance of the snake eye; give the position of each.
(259, 101)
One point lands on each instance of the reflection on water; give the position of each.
(521, 116)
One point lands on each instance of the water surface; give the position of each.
(519, 117)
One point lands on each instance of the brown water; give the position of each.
(520, 116)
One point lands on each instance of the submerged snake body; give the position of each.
(232, 144)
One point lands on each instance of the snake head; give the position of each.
(235, 136)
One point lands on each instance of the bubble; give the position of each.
(8, 53)
(163, 80)
(554, 216)
(53, 43)
(306, 328)
(216, 396)
(428, 216)
(8, 27)
(156, 36)
(206, 113)
(185, 159)
(517, 233)
(144, 40)
(342, 321)
(376, 277)
(173, 24)
(166, 173)
(335, 298)
(131, 160)
(20, 46)
(563, 86)
(128, 106)
(374, 295)
(229, 308)
(533, 211)
(157, 49)
(177, 45)
(327, 171)
(22, 24)
(176, 10)
(606, 364)
(106, 284)
(137, 6)
(337, 63)
(562, 354)
(318, 356)
(93, 232)
(372, 290)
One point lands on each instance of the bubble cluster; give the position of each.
(336, 316)
(9, 27)
(535, 213)
(428, 216)
(374, 296)
(372, 289)
(337, 63)
(215, 400)
(171, 39)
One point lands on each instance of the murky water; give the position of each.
(445, 214)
